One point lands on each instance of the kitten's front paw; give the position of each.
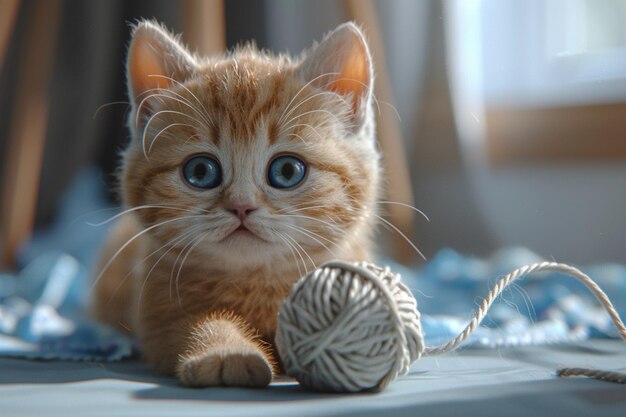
(235, 369)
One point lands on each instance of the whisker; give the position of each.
(294, 248)
(332, 226)
(180, 268)
(369, 89)
(297, 136)
(395, 110)
(401, 234)
(184, 88)
(147, 277)
(179, 240)
(320, 124)
(301, 90)
(293, 253)
(145, 129)
(293, 206)
(179, 98)
(137, 235)
(144, 100)
(154, 139)
(290, 108)
(113, 103)
(92, 213)
(191, 137)
(306, 208)
(304, 232)
(332, 242)
(138, 112)
(295, 242)
(309, 126)
(172, 244)
(145, 206)
(415, 209)
(181, 253)
(306, 113)
(290, 249)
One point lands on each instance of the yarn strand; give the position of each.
(350, 327)
(617, 377)
(519, 273)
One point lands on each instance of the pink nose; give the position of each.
(241, 210)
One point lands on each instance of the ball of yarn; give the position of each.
(349, 327)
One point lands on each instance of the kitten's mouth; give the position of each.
(242, 231)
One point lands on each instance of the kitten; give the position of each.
(244, 171)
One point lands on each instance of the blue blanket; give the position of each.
(44, 309)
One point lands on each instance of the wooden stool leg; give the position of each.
(24, 153)
(389, 134)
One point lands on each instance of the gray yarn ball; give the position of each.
(349, 327)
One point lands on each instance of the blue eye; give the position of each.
(286, 172)
(203, 172)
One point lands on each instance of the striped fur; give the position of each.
(202, 301)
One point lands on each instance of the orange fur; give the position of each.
(203, 300)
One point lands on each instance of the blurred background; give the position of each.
(510, 126)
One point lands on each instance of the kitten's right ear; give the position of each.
(155, 58)
(342, 63)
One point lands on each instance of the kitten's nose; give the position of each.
(241, 210)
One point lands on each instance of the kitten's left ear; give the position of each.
(155, 58)
(342, 63)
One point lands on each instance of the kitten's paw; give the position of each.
(235, 369)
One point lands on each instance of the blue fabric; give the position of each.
(42, 315)
(43, 310)
(539, 309)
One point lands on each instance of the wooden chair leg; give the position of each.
(8, 14)
(204, 26)
(24, 153)
(390, 139)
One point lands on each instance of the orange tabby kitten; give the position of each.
(244, 171)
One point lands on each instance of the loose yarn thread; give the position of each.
(349, 327)
(609, 376)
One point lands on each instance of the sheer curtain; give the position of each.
(538, 90)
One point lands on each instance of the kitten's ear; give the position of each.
(342, 63)
(155, 57)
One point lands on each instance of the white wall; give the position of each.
(573, 212)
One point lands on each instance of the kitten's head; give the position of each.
(249, 156)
